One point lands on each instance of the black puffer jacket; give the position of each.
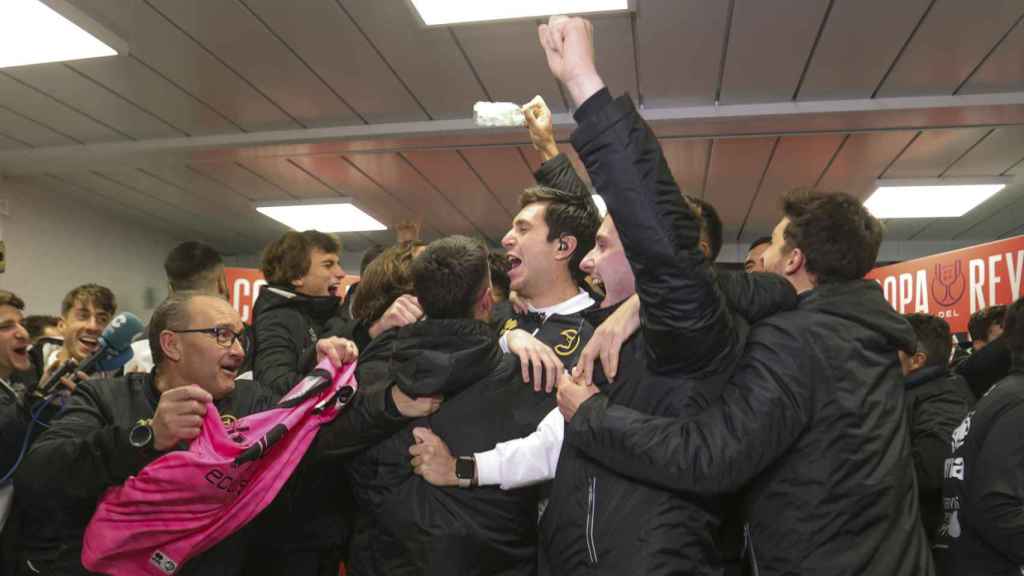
(937, 401)
(416, 528)
(985, 367)
(813, 417)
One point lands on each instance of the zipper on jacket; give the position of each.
(591, 517)
(748, 549)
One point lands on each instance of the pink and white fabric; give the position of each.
(184, 502)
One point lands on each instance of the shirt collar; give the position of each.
(577, 303)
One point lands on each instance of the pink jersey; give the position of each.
(184, 502)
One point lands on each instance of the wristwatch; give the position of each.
(465, 470)
(141, 434)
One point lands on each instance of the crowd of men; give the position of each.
(598, 400)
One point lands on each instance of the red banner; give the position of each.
(244, 287)
(954, 285)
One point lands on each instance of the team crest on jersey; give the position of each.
(572, 342)
(510, 324)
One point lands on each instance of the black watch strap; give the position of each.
(465, 470)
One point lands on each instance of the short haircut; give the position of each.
(839, 238)
(760, 241)
(99, 296)
(8, 298)
(193, 266)
(710, 225)
(288, 258)
(371, 253)
(385, 279)
(499, 273)
(37, 324)
(933, 338)
(1013, 331)
(174, 313)
(567, 214)
(449, 276)
(983, 320)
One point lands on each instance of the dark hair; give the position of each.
(99, 296)
(371, 253)
(288, 257)
(384, 280)
(499, 275)
(983, 320)
(1013, 331)
(36, 324)
(933, 338)
(449, 276)
(172, 314)
(8, 298)
(839, 238)
(710, 225)
(193, 266)
(760, 241)
(567, 214)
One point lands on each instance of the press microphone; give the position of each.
(114, 352)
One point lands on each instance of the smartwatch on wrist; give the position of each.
(465, 470)
(141, 434)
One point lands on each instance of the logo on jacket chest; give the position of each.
(570, 344)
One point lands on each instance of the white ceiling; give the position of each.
(215, 104)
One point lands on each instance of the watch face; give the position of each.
(141, 435)
(465, 468)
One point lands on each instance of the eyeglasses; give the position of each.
(226, 337)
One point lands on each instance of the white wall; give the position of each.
(55, 242)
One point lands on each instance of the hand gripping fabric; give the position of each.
(184, 502)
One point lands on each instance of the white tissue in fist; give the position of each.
(498, 114)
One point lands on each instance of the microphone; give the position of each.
(114, 352)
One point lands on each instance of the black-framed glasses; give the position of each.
(224, 335)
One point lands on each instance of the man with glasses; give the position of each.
(111, 429)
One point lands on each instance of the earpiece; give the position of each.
(562, 245)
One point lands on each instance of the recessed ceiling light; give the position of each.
(325, 217)
(930, 198)
(444, 12)
(32, 33)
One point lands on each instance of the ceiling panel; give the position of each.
(164, 47)
(798, 162)
(43, 109)
(734, 172)
(30, 132)
(242, 180)
(996, 154)
(427, 60)
(451, 175)
(136, 82)
(288, 176)
(687, 159)
(8, 143)
(614, 52)
(933, 151)
(951, 42)
(510, 62)
(260, 57)
(319, 31)
(862, 158)
(341, 175)
(999, 222)
(70, 87)
(951, 228)
(504, 171)
(1002, 70)
(900, 229)
(859, 42)
(394, 173)
(680, 50)
(761, 70)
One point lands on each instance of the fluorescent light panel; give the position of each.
(443, 12)
(335, 217)
(928, 200)
(32, 33)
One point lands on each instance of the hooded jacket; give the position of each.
(416, 528)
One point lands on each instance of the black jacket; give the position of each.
(937, 401)
(985, 367)
(983, 490)
(416, 528)
(599, 521)
(813, 418)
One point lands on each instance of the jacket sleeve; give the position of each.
(762, 412)
(756, 295)
(987, 366)
(681, 307)
(281, 358)
(368, 420)
(558, 173)
(81, 454)
(931, 427)
(996, 488)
